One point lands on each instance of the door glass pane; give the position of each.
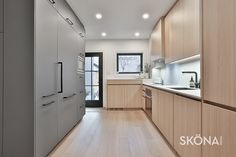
(88, 78)
(88, 63)
(95, 63)
(95, 78)
(88, 93)
(95, 93)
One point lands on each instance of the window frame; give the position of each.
(129, 54)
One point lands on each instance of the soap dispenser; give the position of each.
(192, 83)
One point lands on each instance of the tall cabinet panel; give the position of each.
(1, 16)
(46, 78)
(219, 37)
(1, 90)
(67, 54)
(18, 139)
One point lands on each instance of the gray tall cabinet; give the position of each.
(1, 72)
(41, 92)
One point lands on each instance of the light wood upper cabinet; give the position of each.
(174, 33)
(219, 37)
(182, 30)
(191, 27)
(218, 122)
(162, 112)
(158, 40)
(187, 122)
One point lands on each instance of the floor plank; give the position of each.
(107, 133)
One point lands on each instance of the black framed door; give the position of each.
(94, 79)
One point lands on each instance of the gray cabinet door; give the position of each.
(67, 54)
(1, 16)
(1, 89)
(46, 78)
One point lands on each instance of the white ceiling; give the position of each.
(121, 18)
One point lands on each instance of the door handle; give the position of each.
(48, 104)
(61, 76)
(67, 97)
(49, 95)
(52, 1)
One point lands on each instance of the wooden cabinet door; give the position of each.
(219, 49)
(132, 96)
(187, 122)
(191, 27)
(46, 76)
(218, 122)
(115, 96)
(162, 112)
(174, 33)
(157, 40)
(155, 107)
(166, 114)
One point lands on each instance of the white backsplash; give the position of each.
(172, 73)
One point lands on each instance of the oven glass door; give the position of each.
(81, 64)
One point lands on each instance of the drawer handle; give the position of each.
(47, 104)
(69, 21)
(49, 95)
(52, 1)
(70, 96)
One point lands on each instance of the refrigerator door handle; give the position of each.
(61, 76)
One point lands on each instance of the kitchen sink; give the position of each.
(183, 88)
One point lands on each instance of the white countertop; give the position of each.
(196, 93)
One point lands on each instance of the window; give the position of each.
(129, 63)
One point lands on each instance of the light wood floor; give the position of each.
(104, 133)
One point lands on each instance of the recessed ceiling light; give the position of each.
(137, 34)
(146, 16)
(104, 34)
(98, 16)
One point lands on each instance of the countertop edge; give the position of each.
(197, 98)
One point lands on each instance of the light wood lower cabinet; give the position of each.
(115, 96)
(187, 122)
(133, 96)
(124, 96)
(162, 112)
(219, 122)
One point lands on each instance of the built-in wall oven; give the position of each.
(81, 63)
(147, 93)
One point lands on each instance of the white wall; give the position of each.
(109, 48)
(172, 73)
